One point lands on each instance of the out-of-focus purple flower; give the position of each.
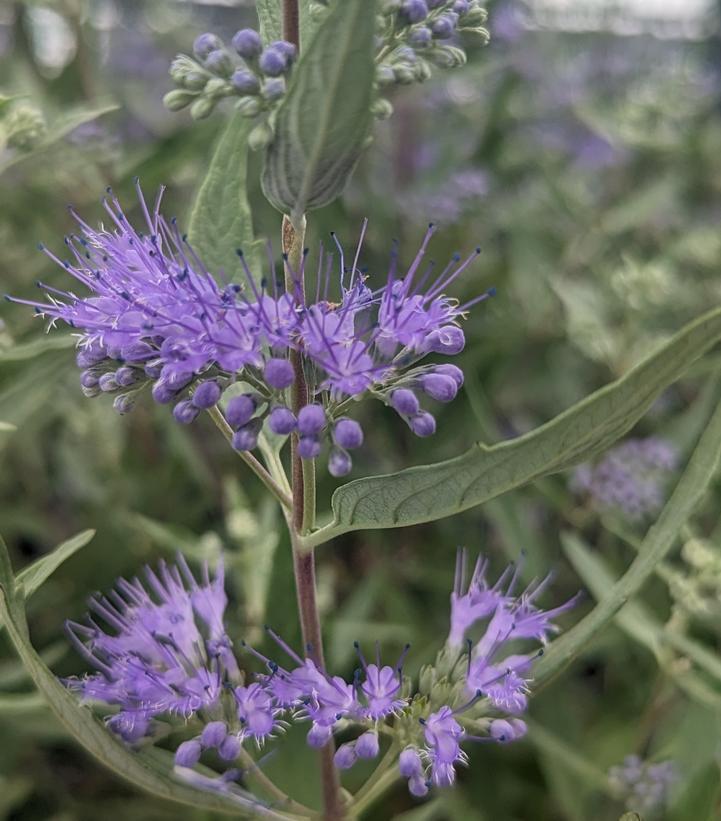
(631, 479)
(644, 786)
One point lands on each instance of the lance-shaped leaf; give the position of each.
(33, 576)
(659, 540)
(143, 770)
(221, 220)
(430, 492)
(323, 122)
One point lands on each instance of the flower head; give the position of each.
(154, 317)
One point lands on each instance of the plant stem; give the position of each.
(250, 460)
(291, 22)
(302, 516)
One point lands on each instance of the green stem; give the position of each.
(264, 783)
(271, 484)
(377, 788)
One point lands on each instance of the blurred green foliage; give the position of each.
(588, 167)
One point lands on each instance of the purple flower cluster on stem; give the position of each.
(156, 318)
(168, 657)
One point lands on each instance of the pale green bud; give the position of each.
(447, 57)
(25, 127)
(260, 137)
(178, 99)
(404, 75)
(385, 75)
(475, 16)
(202, 108)
(249, 106)
(382, 109)
(217, 87)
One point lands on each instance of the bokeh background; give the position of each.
(582, 150)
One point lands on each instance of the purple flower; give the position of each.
(167, 654)
(256, 711)
(631, 479)
(443, 736)
(154, 317)
(645, 787)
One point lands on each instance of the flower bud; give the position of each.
(385, 75)
(447, 340)
(282, 421)
(278, 373)
(126, 376)
(178, 99)
(217, 87)
(422, 424)
(185, 412)
(247, 43)
(453, 371)
(405, 402)
(409, 763)
(205, 43)
(318, 736)
(366, 745)
(188, 753)
(382, 109)
(273, 88)
(219, 62)
(260, 137)
(308, 447)
(448, 57)
(345, 756)
(520, 728)
(348, 434)
(311, 420)
(195, 80)
(123, 403)
(240, 410)
(421, 37)
(273, 62)
(339, 462)
(162, 392)
(414, 10)
(245, 81)
(501, 730)
(404, 75)
(206, 394)
(444, 26)
(90, 355)
(153, 369)
(461, 6)
(417, 786)
(202, 108)
(475, 16)
(246, 438)
(249, 107)
(439, 387)
(107, 383)
(213, 734)
(229, 750)
(88, 379)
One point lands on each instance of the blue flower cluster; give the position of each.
(168, 656)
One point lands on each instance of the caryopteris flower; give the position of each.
(642, 785)
(154, 317)
(631, 479)
(169, 659)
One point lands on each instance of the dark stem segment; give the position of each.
(291, 22)
(302, 514)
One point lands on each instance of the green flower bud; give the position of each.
(447, 56)
(181, 66)
(385, 75)
(216, 87)
(475, 16)
(478, 36)
(25, 127)
(260, 137)
(426, 679)
(382, 109)
(249, 106)
(178, 99)
(404, 74)
(202, 108)
(422, 71)
(195, 80)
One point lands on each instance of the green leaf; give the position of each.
(323, 122)
(656, 544)
(221, 221)
(269, 17)
(430, 492)
(142, 769)
(19, 703)
(33, 576)
(37, 347)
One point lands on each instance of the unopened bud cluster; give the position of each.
(252, 73)
(21, 126)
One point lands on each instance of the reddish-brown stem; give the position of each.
(291, 22)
